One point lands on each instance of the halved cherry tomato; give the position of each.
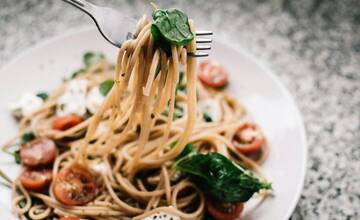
(213, 74)
(248, 138)
(75, 185)
(36, 179)
(224, 211)
(69, 218)
(65, 122)
(38, 152)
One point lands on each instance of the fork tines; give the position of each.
(202, 32)
(200, 39)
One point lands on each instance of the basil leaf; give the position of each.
(181, 84)
(187, 152)
(17, 156)
(26, 137)
(207, 117)
(43, 95)
(172, 144)
(181, 77)
(160, 40)
(221, 178)
(106, 86)
(22, 203)
(158, 69)
(178, 112)
(171, 27)
(91, 58)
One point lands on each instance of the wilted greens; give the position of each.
(171, 27)
(90, 58)
(106, 86)
(224, 180)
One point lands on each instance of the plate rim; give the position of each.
(263, 65)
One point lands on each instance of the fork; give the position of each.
(116, 27)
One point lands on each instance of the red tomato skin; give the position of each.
(36, 180)
(219, 213)
(65, 122)
(252, 147)
(213, 75)
(38, 152)
(75, 185)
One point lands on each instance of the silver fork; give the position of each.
(116, 27)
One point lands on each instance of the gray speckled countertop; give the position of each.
(312, 45)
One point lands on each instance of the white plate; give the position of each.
(44, 66)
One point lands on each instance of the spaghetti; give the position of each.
(130, 145)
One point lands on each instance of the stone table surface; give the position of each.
(312, 45)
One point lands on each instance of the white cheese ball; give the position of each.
(94, 99)
(211, 107)
(73, 101)
(162, 216)
(27, 104)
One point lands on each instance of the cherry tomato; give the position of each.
(75, 185)
(224, 211)
(213, 75)
(248, 138)
(38, 152)
(65, 122)
(69, 218)
(36, 179)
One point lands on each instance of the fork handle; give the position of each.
(83, 5)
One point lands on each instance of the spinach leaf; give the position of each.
(181, 86)
(17, 156)
(178, 112)
(26, 137)
(187, 152)
(34, 201)
(43, 95)
(172, 144)
(106, 86)
(22, 203)
(171, 26)
(77, 72)
(221, 178)
(207, 117)
(166, 111)
(91, 58)
(181, 77)
(158, 69)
